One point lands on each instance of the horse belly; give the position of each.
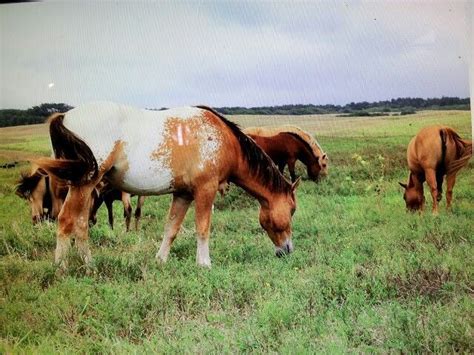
(144, 176)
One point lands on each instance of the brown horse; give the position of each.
(46, 194)
(434, 152)
(190, 152)
(287, 144)
(107, 194)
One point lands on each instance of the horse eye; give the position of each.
(293, 211)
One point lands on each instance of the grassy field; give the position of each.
(365, 275)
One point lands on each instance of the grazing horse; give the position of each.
(190, 152)
(45, 194)
(434, 152)
(108, 194)
(287, 144)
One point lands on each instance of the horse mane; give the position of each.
(463, 151)
(74, 161)
(314, 145)
(259, 162)
(28, 183)
(304, 142)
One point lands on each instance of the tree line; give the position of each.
(33, 115)
(402, 106)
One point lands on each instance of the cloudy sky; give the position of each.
(223, 53)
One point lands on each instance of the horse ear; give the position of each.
(295, 184)
(403, 185)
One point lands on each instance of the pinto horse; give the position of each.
(190, 152)
(287, 144)
(434, 152)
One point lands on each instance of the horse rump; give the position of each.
(74, 161)
(463, 152)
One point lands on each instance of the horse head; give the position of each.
(33, 188)
(414, 198)
(323, 163)
(319, 168)
(275, 217)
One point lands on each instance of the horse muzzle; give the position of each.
(285, 249)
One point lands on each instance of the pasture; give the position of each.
(364, 275)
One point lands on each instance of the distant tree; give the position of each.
(33, 115)
(407, 111)
(46, 110)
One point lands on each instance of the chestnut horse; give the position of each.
(46, 195)
(190, 152)
(434, 152)
(287, 144)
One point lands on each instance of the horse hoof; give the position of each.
(161, 259)
(204, 264)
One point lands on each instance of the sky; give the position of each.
(232, 53)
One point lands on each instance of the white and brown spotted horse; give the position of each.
(190, 152)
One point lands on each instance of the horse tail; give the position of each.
(441, 168)
(74, 161)
(463, 152)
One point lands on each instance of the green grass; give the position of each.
(365, 276)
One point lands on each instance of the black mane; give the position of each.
(305, 143)
(259, 162)
(27, 184)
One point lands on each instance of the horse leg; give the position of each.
(110, 212)
(73, 221)
(127, 209)
(450, 181)
(57, 204)
(430, 175)
(96, 203)
(291, 168)
(176, 214)
(439, 183)
(204, 198)
(57, 200)
(138, 211)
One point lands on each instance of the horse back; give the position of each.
(425, 150)
(280, 146)
(437, 147)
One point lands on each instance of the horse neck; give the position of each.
(305, 155)
(244, 178)
(414, 182)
